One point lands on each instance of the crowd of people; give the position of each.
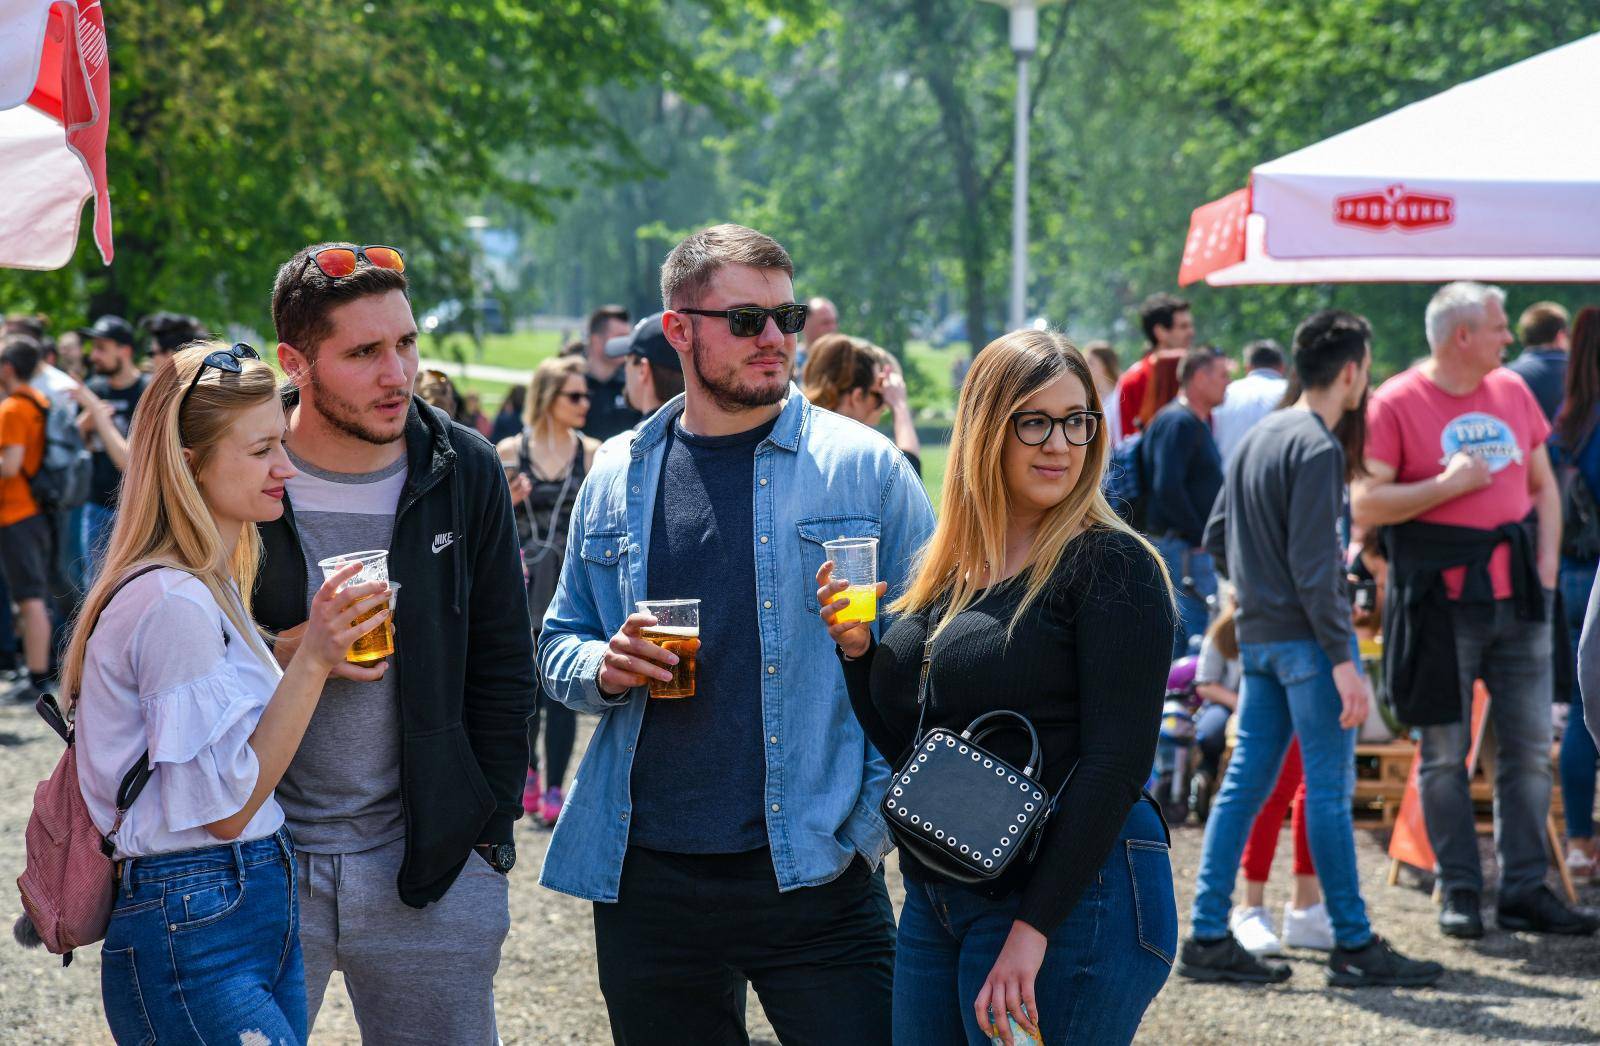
(303, 812)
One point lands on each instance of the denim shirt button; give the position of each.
(636, 490)
(773, 739)
(772, 670)
(774, 807)
(763, 481)
(767, 604)
(763, 539)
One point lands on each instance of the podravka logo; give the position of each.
(1395, 208)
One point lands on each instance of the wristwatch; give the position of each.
(502, 857)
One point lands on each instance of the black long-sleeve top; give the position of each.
(1087, 664)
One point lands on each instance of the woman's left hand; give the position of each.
(1009, 988)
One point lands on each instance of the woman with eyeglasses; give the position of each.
(1039, 600)
(853, 377)
(545, 464)
(204, 933)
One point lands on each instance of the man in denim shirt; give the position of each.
(734, 835)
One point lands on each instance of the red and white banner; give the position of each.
(1436, 191)
(55, 109)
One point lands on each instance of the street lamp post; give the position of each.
(1024, 42)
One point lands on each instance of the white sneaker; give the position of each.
(1582, 867)
(1252, 928)
(1307, 927)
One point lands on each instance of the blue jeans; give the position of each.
(1578, 753)
(95, 534)
(1211, 734)
(1195, 577)
(1101, 969)
(204, 946)
(1288, 692)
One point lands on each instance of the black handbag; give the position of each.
(958, 808)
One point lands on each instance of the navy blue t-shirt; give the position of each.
(1545, 371)
(699, 769)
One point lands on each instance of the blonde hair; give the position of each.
(837, 365)
(162, 517)
(545, 386)
(974, 504)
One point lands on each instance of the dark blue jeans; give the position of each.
(1195, 577)
(1578, 753)
(204, 947)
(1102, 967)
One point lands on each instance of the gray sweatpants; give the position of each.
(414, 976)
(1513, 659)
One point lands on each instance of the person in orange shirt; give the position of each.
(1151, 384)
(26, 541)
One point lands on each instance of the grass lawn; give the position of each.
(522, 350)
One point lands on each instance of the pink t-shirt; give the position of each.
(1414, 426)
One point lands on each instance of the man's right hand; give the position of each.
(1355, 696)
(1465, 473)
(631, 661)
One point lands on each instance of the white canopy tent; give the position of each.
(1432, 192)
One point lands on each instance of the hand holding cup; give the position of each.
(630, 660)
(336, 617)
(853, 637)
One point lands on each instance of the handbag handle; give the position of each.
(985, 725)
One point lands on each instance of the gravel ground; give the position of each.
(1505, 988)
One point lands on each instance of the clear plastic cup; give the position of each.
(374, 566)
(378, 643)
(855, 560)
(677, 629)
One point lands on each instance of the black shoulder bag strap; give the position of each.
(50, 710)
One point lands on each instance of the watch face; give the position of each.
(503, 856)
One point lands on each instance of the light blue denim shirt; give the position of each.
(818, 476)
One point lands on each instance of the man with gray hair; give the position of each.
(1458, 473)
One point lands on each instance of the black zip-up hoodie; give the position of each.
(463, 646)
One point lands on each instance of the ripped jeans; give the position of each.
(204, 948)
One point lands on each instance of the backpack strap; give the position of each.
(138, 776)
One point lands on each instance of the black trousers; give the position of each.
(689, 930)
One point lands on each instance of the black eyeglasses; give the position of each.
(222, 359)
(1033, 427)
(748, 321)
(575, 397)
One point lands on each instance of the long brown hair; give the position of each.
(1224, 632)
(1577, 417)
(545, 385)
(837, 365)
(161, 515)
(975, 503)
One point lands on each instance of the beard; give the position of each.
(345, 415)
(725, 389)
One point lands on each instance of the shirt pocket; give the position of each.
(603, 555)
(813, 532)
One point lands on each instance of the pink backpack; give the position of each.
(69, 882)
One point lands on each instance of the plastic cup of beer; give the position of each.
(374, 566)
(677, 630)
(855, 561)
(378, 643)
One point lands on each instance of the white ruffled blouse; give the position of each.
(159, 674)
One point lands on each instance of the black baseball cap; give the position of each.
(649, 340)
(112, 328)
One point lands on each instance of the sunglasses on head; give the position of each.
(340, 261)
(224, 360)
(748, 321)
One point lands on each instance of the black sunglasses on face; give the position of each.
(575, 397)
(222, 359)
(1033, 427)
(748, 321)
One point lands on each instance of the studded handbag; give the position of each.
(958, 808)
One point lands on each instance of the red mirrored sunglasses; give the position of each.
(339, 262)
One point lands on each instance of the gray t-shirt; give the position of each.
(1228, 672)
(341, 793)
